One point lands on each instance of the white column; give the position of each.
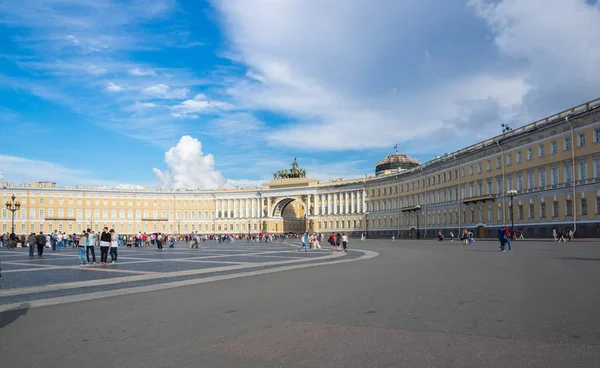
(228, 207)
(364, 205)
(247, 206)
(329, 204)
(268, 207)
(323, 204)
(316, 209)
(346, 204)
(335, 203)
(217, 207)
(353, 202)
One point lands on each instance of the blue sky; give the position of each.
(102, 92)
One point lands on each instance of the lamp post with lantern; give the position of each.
(512, 193)
(13, 206)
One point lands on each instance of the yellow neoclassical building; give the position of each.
(551, 167)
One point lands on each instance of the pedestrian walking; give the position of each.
(501, 239)
(507, 239)
(81, 246)
(345, 242)
(304, 239)
(451, 236)
(105, 240)
(561, 236)
(338, 242)
(554, 234)
(114, 246)
(316, 242)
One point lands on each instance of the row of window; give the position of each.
(476, 214)
(447, 176)
(520, 181)
(130, 229)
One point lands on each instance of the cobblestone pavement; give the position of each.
(57, 277)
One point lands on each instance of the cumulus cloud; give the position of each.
(188, 167)
(141, 72)
(199, 104)
(112, 87)
(165, 92)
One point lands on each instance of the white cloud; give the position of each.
(199, 104)
(527, 31)
(165, 92)
(23, 170)
(141, 106)
(334, 80)
(112, 87)
(188, 167)
(141, 72)
(1, 175)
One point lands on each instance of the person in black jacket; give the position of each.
(105, 240)
(40, 240)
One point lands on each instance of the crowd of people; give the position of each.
(108, 242)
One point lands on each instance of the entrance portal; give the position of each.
(413, 233)
(293, 214)
(480, 231)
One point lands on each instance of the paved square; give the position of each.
(24, 277)
(386, 304)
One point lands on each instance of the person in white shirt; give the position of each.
(114, 246)
(345, 242)
(59, 241)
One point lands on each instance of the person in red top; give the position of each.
(332, 241)
(507, 238)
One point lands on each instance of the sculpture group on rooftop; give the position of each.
(294, 173)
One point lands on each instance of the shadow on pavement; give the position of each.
(9, 316)
(579, 258)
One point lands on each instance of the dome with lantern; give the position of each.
(395, 162)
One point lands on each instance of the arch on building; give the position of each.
(480, 230)
(413, 232)
(293, 220)
(281, 204)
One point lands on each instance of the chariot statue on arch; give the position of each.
(294, 173)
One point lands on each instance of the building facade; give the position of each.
(552, 164)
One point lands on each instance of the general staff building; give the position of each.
(549, 170)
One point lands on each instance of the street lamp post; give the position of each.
(512, 193)
(418, 235)
(13, 206)
(366, 225)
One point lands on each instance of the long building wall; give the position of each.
(553, 164)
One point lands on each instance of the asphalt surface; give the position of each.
(410, 304)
